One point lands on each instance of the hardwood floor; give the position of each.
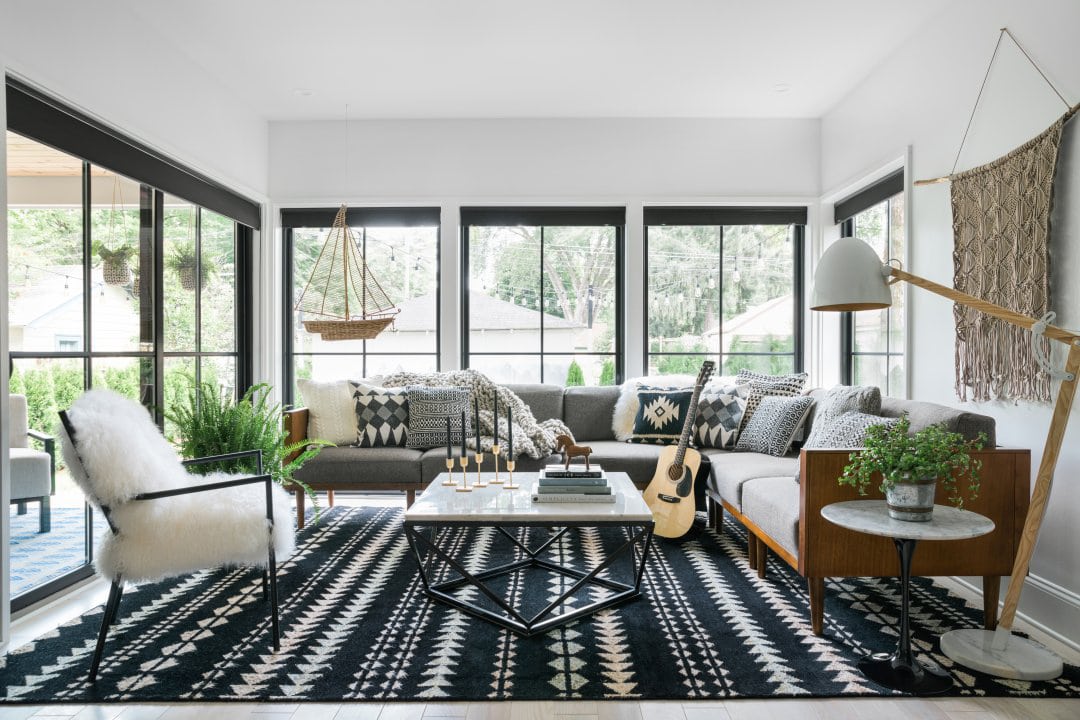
(33, 624)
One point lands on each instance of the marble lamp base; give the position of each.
(1001, 654)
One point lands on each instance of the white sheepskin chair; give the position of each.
(165, 521)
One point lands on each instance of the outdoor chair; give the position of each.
(163, 520)
(33, 473)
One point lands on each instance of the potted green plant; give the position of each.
(183, 260)
(209, 422)
(115, 268)
(910, 466)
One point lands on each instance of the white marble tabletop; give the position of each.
(872, 517)
(494, 504)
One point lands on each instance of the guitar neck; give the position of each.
(691, 414)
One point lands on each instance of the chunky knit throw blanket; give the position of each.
(532, 438)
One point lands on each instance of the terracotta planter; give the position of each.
(911, 499)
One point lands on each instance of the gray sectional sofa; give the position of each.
(758, 490)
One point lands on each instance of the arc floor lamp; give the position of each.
(850, 276)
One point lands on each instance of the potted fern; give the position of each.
(183, 260)
(210, 422)
(910, 466)
(115, 265)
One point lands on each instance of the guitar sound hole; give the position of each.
(674, 473)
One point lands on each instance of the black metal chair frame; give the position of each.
(45, 510)
(269, 576)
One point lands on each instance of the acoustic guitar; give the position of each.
(670, 494)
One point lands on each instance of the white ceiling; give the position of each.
(307, 59)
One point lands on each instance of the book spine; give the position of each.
(572, 474)
(564, 482)
(573, 498)
(580, 489)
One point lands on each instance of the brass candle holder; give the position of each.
(480, 483)
(449, 473)
(464, 460)
(510, 465)
(495, 450)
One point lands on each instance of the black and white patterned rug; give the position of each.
(356, 625)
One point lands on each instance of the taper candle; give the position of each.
(448, 453)
(476, 417)
(496, 420)
(510, 433)
(464, 454)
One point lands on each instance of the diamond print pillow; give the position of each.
(428, 409)
(660, 416)
(773, 426)
(762, 385)
(382, 416)
(718, 419)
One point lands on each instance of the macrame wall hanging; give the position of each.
(1001, 253)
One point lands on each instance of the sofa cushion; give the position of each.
(660, 416)
(772, 503)
(922, 414)
(331, 411)
(730, 471)
(719, 416)
(31, 473)
(762, 385)
(837, 401)
(587, 411)
(774, 425)
(382, 416)
(545, 401)
(637, 461)
(429, 407)
(357, 466)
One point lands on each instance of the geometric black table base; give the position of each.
(424, 541)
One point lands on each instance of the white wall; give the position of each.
(101, 59)
(922, 97)
(626, 162)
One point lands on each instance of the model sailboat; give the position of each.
(343, 298)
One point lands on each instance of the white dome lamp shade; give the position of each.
(850, 276)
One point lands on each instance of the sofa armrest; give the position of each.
(295, 421)
(826, 550)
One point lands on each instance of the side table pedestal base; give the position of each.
(1013, 656)
(920, 678)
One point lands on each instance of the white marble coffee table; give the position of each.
(901, 670)
(441, 508)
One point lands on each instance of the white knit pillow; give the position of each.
(332, 412)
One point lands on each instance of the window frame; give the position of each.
(370, 217)
(548, 217)
(796, 217)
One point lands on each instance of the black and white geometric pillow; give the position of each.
(774, 425)
(845, 431)
(428, 409)
(841, 400)
(382, 416)
(660, 416)
(769, 385)
(718, 419)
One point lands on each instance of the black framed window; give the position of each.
(401, 247)
(724, 284)
(541, 294)
(873, 341)
(94, 300)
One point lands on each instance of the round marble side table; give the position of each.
(901, 670)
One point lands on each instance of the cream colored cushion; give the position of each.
(332, 413)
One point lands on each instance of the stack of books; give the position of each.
(576, 485)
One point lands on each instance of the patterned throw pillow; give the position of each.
(660, 416)
(382, 416)
(428, 409)
(774, 425)
(718, 418)
(843, 432)
(841, 400)
(762, 385)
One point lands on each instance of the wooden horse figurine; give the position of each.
(565, 445)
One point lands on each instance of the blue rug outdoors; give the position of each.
(37, 558)
(356, 625)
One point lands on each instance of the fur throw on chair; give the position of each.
(119, 453)
(532, 438)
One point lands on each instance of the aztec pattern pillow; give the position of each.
(774, 425)
(660, 416)
(762, 385)
(331, 415)
(428, 409)
(719, 416)
(382, 416)
(840, 400)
